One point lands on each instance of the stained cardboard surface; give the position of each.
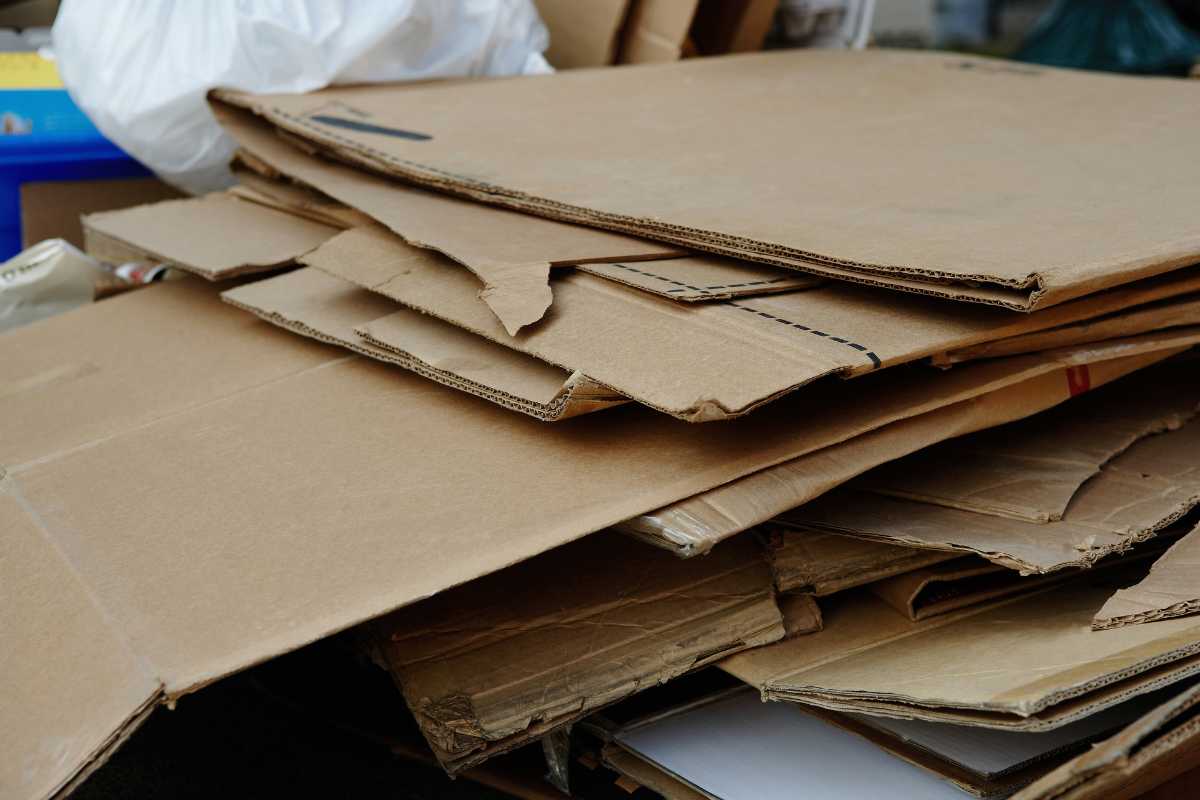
(1048, 228)
(312, 303)
(1172, 589)
(215, 236)
(693, 526)
(495, 663)
(1031, 469)
(999, 666)
(510, 253)
(701, 363)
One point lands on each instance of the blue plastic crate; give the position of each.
(45, 137)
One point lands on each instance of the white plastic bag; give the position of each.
(140, 68)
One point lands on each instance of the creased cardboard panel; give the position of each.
(311, 303)
(824, 563)
(695, 525)
(72, 686)
(495, 663)
(1159, 746)
(999, 665)
(510, 253)
(657, 138)
(215, 236)
(1031, 469)
(1172, 589)
(1183, 311)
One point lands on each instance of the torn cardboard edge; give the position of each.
(1031, 469)
(819, 564)
(215, 236)
(1171, 589)
(1157, 316)
(695, 525)
(312, 303)
(971, 667)
(1159, 746)
(531, 178)
(483, 678)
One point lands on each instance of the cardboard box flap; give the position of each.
(825, 563)
(1001, 666)
(703, 278)
(582, 34)
(490, 665)
(701, 363)
(694, 525)
(1172, 589)
(1148, 752)
(1031, 469)
(312, 303)
(216, 236)
(651, 136)
(510, 253)
(71, 688)
(1165, 314)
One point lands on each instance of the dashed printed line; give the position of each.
(685, 286)
(860, 348)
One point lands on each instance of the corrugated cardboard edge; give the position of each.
(1151, 600)
(1158, 746)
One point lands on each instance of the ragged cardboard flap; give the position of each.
(1031, 469)
(678, 152)
(1172, 589)
(699, 362)
(72, 686)
(510, 253)
(824, 563)
(496, 663)
(693, 526)
(999, 666)
(1181, 311)
(271, 470)
(215, 236)
(311, 303)
(1148, 752)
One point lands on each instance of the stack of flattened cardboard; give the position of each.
(420, 262)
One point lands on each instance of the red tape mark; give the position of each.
(1079, 380)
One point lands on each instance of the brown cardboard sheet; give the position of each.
(824, 563)
(510, 253)
(312, 303)
(1030, 470)
(1139, 493)
(703, 278)
(51, 209)
(655, 31)
(268, 472)
(216, 236)
(1180, 311)
(694, 525)
(1159, 746)
(1172, 589)
(582, 34)
(656, 138)
(1033, 663)
(703, 362)
(801, 614)
(496, 663)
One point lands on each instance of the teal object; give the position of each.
(1135, 36)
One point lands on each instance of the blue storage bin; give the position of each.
(45, 137)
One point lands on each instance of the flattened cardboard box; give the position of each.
(271, 472)
(311, 303)
(1172, 589)
(968, 401)
(700, 363)
(823, 188)
(974, 667)
(496, 663)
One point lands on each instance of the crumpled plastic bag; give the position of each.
(140, 69)
(47, 279)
